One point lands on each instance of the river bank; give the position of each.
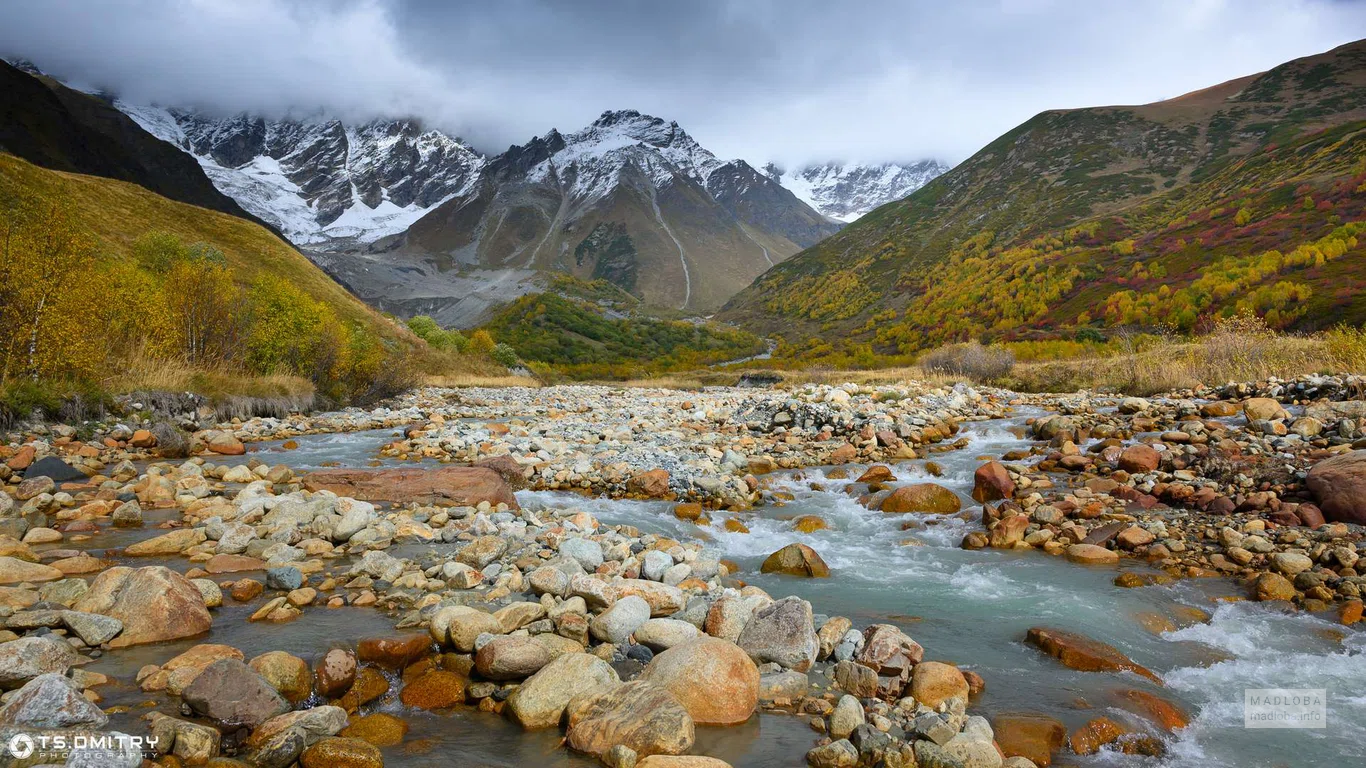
(677, 500)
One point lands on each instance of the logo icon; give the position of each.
(21, 746)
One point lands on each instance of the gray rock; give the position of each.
(128, 515)
(654, 564)
(285, 577)
(111, 750)
(836, 754)
(232, 693)
(617, 623)
(587, 552)
(28, 657)
(847, 716)
(92, 628)
(782, 632)
(51, 700)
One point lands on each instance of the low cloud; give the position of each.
(786, 80)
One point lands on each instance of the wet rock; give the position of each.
(681, 761)
(154, 604)
(172, 543)
(193, 743)
(782, 633)
(1096, 733)
(279, 741)
(541, 700)
(1273, 586)
(286, 673)
(1082, 653)
(1036, 737)
(231, 693)
(379, 728)
(177, 674)
(1140, 458)
(16, 571)
(51, 700)
(922, 497)
(338, 752)
(393, 653)
(127, 515)
(714, 680)
(287, 578)
(991, 482)
(459, 626)
(335, 672)
(639, 715)
(437, 689)
(796, 560)
(447, 486)
(1091, 554)
(369, 685)
(1160, 711)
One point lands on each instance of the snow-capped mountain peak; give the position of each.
(316, 178)
(846, 192)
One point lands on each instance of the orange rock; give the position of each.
(796, 560)
(1155, 708)
(456, 486)
(437, 689)
(653, 484)
(1088, 739)
(1037, 737)
(922, 497)
(1082, 653)
(876, 474)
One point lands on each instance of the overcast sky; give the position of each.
(786, 80)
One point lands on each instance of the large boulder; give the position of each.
(616, 624)
(713, 679)
(154, 604)
(922, 497)
(511, 657)
(1082, 653)
(1339, 485)
(448, 486)
(1036, 737)
(640, 715)
(51, 700)
(16, 571)
(231, 693)
(1139, 458)
(1263, 408)
(782, 632)
(279, 741)
(796, 560)
(540, 701)
(55, 468)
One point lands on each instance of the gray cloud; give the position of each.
(788, 80)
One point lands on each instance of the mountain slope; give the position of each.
(57, 127)
(320, 181)
(1162, 213)
(846, 192)
(631, 199)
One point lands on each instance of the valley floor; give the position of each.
(446, 574)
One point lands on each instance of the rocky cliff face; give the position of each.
(846, 192)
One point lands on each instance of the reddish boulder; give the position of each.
(796, 560)
(1082, 653)
(1139, 458)
(455, 486)
(653, 484)
(1339, 485)
(1037, 737)
(991, 482)
(922, 497)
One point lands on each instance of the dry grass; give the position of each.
(143, 373)
(471, 379)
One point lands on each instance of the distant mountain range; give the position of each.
(846, 192)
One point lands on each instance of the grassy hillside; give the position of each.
(105, 285)
(1244, 196)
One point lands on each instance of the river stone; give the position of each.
(933, 682)
(514, 616)
(286, 577)
(286, 673)
(782, 633)
(28, 657)
(453, 486)
(1339, 485)
(547, 580)
(1273, 586)
(1082, 653)
(847, 716)
(1091, 554)
(922, 497)
(510, 657)
(991, 482)
(663, 634)
(55, 469)
(1037, 737)
(16, 571)
(379, 728)
(335, 672)
(681, 761)
(1262, 408)
(640, 715)
(714, 680)
(51, 700)
(172, 543)
(1139, 458)
(437, 689)
(587, 552)
(177, 674)
(193, 743)
(231, 693)
(654, 563)
(460, 625)
(838, 754)
(796, 560)
(728, 616)
(540, 701)
(279, 741)
(154, 603)
(482, 551)
(664, 599)
(338, 752)
(92, 628)
(616, 624)
(128, 515)
(393, 653)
